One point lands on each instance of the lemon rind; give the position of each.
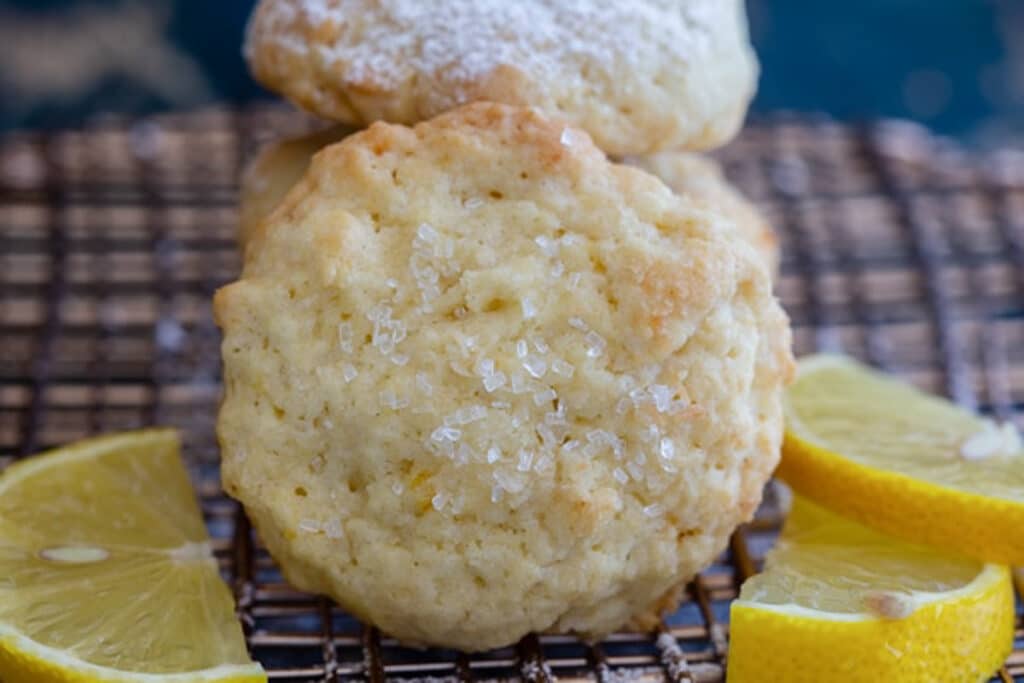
(824, 475)
(65, 667)
(805, 648)
(961, 520)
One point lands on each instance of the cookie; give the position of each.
(273, 171)
(640, 77)
(479, 381)
(280, 165)
(701, 179)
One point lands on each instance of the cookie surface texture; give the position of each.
(480, 381)
(639, 76)
(701, 179)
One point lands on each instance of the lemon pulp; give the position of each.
(106, 569)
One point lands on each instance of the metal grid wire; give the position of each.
(899, 249)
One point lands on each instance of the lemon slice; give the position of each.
(840, 602)
(905, 463)
(106, 572)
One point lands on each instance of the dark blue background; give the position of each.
(955, 65)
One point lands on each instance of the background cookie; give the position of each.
(638, 76)
(280, 165)
(479, 381)
(700, 179)
(273, 171)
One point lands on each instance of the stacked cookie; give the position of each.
(479, 379)
(650, 82)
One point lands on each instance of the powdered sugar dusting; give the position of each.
(456, 44)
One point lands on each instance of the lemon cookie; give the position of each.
(700, 179)
(639, 77)
(480, 381)
(280, 165)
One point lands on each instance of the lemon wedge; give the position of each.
(840, 602)
(905, 463)
(106, 572)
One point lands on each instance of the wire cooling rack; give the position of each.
(899, 249)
